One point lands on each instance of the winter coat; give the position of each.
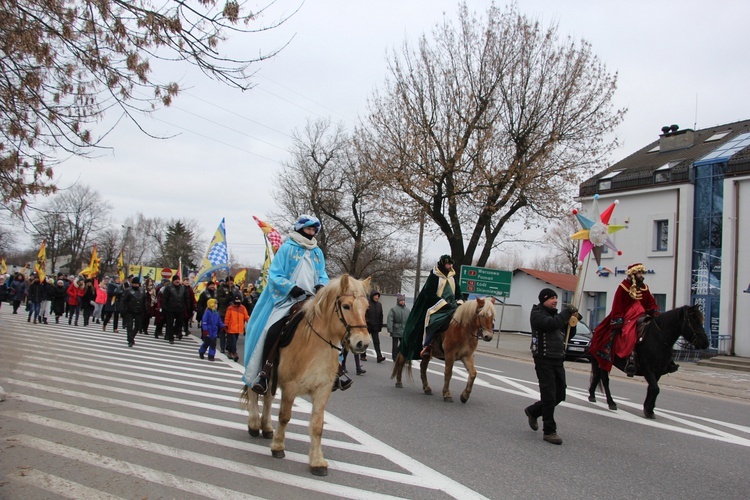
(101, 296)
(75, 294)
(203, 301)
(235, 319)
(174, 299)
(35, 292)
(59, 297)
(374, 314)
(396, 319)
(89, 295)
(114, 297)
(547, 332)
(134, 301)
(211, 323)
(18, 290)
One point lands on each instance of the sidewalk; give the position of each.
(690, 376)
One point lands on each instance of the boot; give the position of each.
(426, 352)
(260, 384)
(630, 366)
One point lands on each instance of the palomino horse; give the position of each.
(309, 364)
(654, 352)
(473, 320)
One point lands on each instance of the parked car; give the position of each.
(578, 346)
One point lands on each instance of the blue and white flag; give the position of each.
(217, 255)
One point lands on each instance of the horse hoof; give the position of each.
(319, 471)
(428, 391)
(464, 399)
(253, 432)
(592, 399)
(267, 434)
(399, 385)
(447, 399)
(278, 453)
(612, 406)
(649, 415)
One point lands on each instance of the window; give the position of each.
(661, 236)
(718, 135)
(661, 301)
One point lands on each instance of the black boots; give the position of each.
(342, 381)
(260, 384)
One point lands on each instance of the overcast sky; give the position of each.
(682, 62)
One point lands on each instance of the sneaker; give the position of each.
(532, 421)
(260, 385)
(381, 359)
(211, 358)
(553, 438)
(116, 330)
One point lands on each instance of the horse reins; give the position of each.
(340, 314)
(478, 333)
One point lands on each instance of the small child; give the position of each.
(235, 318)
(210, 324)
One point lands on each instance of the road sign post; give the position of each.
(485, 281)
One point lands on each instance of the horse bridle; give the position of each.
(686, 319)
(478, 333)
(340, 314)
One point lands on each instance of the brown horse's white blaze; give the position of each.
(309, 364)
(473, 320)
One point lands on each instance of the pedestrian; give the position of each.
(235, 318)
(48, 292)
(433, 310)
(112, 306)
(190, 307)
(18, 291)
(34, 297)
(174, 302)
(88, 302)
(99, 301)
(211, 324)
(208, 293)
(395, 324)
(150, 291)
(133, 304)
(3, 289)
(374, 320)
(297, 269)
(616, 335)
(224, 295)
(59, 299)
(548, 332)
(75, 297)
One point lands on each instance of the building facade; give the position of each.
(685, 199)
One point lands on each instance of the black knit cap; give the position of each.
(546, 294)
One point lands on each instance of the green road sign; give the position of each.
(485, 281)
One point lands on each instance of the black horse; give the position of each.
(654, 353)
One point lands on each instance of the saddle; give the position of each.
(279, 335)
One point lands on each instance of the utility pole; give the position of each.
(418, 276)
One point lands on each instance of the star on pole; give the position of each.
(595, 232)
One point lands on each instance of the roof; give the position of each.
(562, 281)
(640, 168)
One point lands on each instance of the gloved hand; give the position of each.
(318, 287)
(205, 333)
(296, 292)
(572, 308)
(565, 315)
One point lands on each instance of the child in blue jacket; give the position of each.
(210, 324)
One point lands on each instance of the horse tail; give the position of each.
(398, 367)
(245, 396)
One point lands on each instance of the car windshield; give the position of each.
(583, 328)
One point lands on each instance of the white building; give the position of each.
(685, 199)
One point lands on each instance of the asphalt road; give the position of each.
(87, 417)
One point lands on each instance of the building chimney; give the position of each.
(672, 138)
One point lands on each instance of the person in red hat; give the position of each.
(617, 333)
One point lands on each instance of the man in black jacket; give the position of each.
(134, 304)
(548, 330)
(174, 304)
(374, 319)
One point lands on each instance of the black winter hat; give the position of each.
(545, 294)
(136, 281)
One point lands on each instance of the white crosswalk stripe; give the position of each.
(77, 384)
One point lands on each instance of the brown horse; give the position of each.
(309, 364)
(473, 320)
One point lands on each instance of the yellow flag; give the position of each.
(240, 277)
(3, 266)
(41, 261)
(121, 267)
(93, 269)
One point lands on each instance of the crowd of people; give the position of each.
(170, 305)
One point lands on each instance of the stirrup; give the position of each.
(260, 384)
(342, 382)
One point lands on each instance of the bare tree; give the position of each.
(489, 120)
(66, 64)
(330, 181)
(71, 220)
(565, 249)
(7, 236)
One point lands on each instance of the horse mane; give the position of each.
(327, 296)
(466, 311)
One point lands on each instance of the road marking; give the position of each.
(57, 485)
